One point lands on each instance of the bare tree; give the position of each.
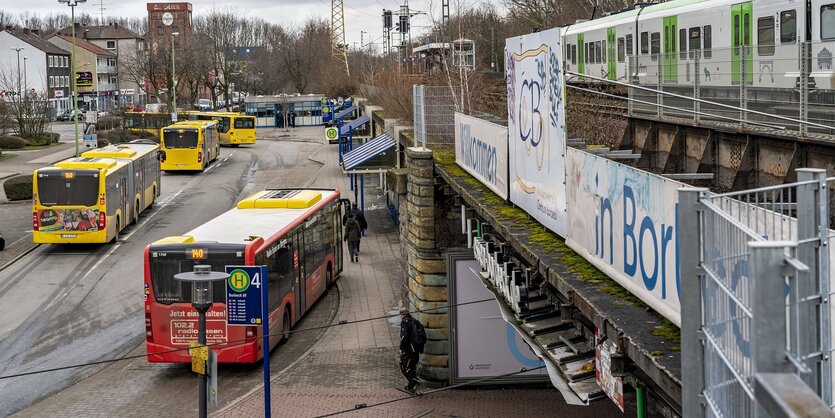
(28, 112)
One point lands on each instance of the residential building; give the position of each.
(95, 73)
(129, 48)
(44, 67)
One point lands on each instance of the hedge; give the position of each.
(12, 142)
(18, 188)
(47, 138)
(108, 122)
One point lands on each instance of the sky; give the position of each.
(360, 15)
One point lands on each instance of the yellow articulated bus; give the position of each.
(233, 128)
(92, 198)
(146, 122)
(189, 145)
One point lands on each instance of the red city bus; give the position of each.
(296, 233)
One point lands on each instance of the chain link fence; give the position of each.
(434, 115)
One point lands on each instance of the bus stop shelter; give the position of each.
(376, 156)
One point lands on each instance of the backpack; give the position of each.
(418, 335)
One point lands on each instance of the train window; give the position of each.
(604, 52)
(788, 27)
(736, 30)
(621, 52)
(573, 53)
(708, 43)
(597, 53)
(587, 53)
(746, 25)
(828, 21)
(765, 36)
(695, 41)
(655, 45)
(644, 42)
(629, 50)
(682, 44)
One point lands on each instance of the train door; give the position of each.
(301, 274)
(670, 64)
(581, 54)
(611, 54)
(742, 33)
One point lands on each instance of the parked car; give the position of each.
(203, 104)
(68, 115)
(102, 113)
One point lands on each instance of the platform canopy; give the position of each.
(345, 112)
(354, 124)
(373, 156)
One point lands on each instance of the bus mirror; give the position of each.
(161, 155)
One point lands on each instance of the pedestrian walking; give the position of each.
(360, 217)
(412, 340)
(352, 236)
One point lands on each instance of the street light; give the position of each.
(19, 88)
(25, 80)
(201, 299)
(72, 4)
(173, 80)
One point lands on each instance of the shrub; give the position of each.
(108, 122)
(102, 142)
(12, 142)
(18, 188)
(38, 141)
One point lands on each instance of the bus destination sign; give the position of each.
(243, 294)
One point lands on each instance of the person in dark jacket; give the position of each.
(360, 217)
(352, 236)
(408, 354)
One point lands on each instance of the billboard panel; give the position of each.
(484, 344)
(536, 127)
(625, 222)
(481, 150)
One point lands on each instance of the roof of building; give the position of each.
(33, 38)
(110, 31)
(82, 43)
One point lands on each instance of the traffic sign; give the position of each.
(243, 294)
(332, 133)
(90, 141)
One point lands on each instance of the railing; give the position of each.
(106, 69)
(770, 86)
(755, 292)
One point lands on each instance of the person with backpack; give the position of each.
(352, 236)
(360, 217)
(412, 340)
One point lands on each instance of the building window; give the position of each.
(828, 22)
(66, 81)
(51, 81)
(111, 44)
(644, 43)
(66, 62)
(111, 62)
(708, 42)
(695, 41)
(51, 62)
(112, 79)
(765, 36)
(160, 30)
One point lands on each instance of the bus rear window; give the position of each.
(69, 188)
(176, 139)
(244, 123)
(168, 290)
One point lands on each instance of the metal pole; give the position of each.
(18, 70)
(659, 95)
(202, 387)
(265, 329)
(173, 80)
(697, 85)
(640, 393)
(25, 78)
(743, 84)
(804, 88)
(74, 82)
(768, 336)
(692, 349)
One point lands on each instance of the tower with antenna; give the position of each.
(339, 48)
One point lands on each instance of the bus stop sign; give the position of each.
(332, 133)
(243, 294)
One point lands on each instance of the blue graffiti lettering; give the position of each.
(530, 117)
(600, 231)
(628, 225)
(555, 88)
(649, 281)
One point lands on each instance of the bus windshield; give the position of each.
(68, 188)
(244, 123)
(176, 139)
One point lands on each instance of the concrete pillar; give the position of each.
(426, 271)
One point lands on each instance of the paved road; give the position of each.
(68, 304)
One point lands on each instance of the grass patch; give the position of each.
(37, 147)
(547, 242)
(6, 156)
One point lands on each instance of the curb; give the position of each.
(17, 257)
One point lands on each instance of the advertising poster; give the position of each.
(54, 220)
(481, 150)
(625, 222)
(484, 344)
(84, 79)
(536, 127)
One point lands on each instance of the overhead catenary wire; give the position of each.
(430, 392)
(233, 343)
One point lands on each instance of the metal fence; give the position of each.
(755, 296)
(773, 87)
(434, 110)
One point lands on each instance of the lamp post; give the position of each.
(74, 93)
(201, 299)
(25, 80)
(19, 88)
(173, 80)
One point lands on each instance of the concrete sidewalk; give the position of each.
(357, 364)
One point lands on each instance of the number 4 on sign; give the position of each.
(256, 280)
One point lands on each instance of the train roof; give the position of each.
(647, 11)
(122, 151)
(263, 214)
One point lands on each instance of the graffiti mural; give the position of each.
(536, 127)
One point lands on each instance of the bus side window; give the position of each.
(281, 276)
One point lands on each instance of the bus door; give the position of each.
(301, 274)
(131, 191)
(337, 243)
(122, 201)
(741, 34)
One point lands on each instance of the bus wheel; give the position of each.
(116, 236)
(135, 213)
(285, 326)
(329, 277)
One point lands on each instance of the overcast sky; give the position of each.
(360, 15)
